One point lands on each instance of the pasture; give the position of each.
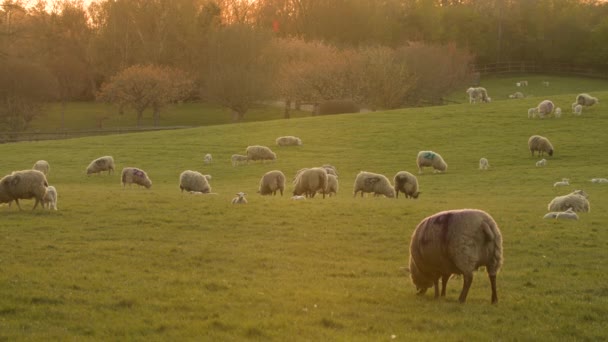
(136, 264)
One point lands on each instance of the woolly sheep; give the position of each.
(237, 159)
(478, 94)
(133, 175)
(331, 170)
(100, 164)
(541, 163)
(563, 182)
(430, 158)
(545, 108)
(368, 182)
(577, 200)
(42, 166)
(309, 181)
(208, 158)
(484, 164)
(332, 185)
(532, 112)
(240, 198)
(193, 181)
(558, 112)
(24, 184)
(577, 109)
(288, 141)
(50, 198)
(258, 152)
(540, 144)
(407, 183)
(567, 215)
(586, 100)
(599, 180)
(517, 95)
(271, 182)
(455, 242)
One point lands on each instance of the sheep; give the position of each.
(331, 170)
(262, 153)
(517, 95)
(540, 144)
(368, 182)
(546, 83)
(577, 109)
(407, 183)
(309, 181)
(288, 141)
(563, 182)
(599, 180)
(24, 184)
(132, 175)
(545, 108)
(240, 198)
(100, 164)
(532, 112)
(42, 166)
(332, 185)
(193, 181)
(567, 215)
(478, 94)
(586, 100)
(50, 198)
(455, 242)
(237, 159)
(430, 158)
(541, 163)
(558, 113)
(577, 200)
(271, 182)
(524, 83)
(551, 215)
(484, 164)
(208, 158)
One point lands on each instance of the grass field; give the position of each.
(136, 264)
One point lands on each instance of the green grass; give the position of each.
(136, 264)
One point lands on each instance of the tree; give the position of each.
(141, 87)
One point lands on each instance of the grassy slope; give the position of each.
(117, 263)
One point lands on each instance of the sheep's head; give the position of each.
(550, 152)
(421, 282)
(415, 195)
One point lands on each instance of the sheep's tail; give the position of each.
(493, 235)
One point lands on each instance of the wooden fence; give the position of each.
(598, 71)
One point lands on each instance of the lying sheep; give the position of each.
(455, 242)
(240, 198)
(577, 200)
(517, 95)
(24, 184)
(271, 182)
(42, 166)
(50, 198)
(478, 94)
(586, 100)
(332, 185)
(484, 164)
(599, 180)
(540, 144)
(237, 159)
(577, 109)
(406, 183)
(567, 215)
(262, 153)
(101, 164)
(545, 108)
(193, 181)
(563, 182)
(208, 158)
(288, 141)
(430, 158)
(551, 215)
(368, 182)
(541, 163)
(132, 175)
(309, 181)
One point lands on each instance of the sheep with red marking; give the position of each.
(133, 175)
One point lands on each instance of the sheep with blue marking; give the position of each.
(431, 159)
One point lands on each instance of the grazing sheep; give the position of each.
(517, 95)
(540, 144)
(406, 183)
(545, 108)
(368, 182)
(271, 182)
(132, 175)
(42, 166)
(430, 158)
(563, 182)
(478, 94)
(208, 158)
(455, 242)
(262, 153)
(193, 181)
(532, 112)
(331, 170)
(541, 163)
(50, 198)
(567, 215)
(24, 184)
(484, 164)
(101, 164)
(240, 198)
(586, 100)
(309, 181)
(558, 113)
(332, 185)
(237, 159)
(289, 141)
(577, 109)
(599, 180)
(577, 200)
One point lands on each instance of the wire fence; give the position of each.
(592, 71)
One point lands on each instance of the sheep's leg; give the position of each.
(436, 286)
(493, 284)
(468, 280)
(18, 205)
(36, 204)
(444, 283)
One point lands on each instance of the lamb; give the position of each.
(271, 182)
(478, 94)
(309, 181)
(240, 198)
(532, 112)
(558, 113)
(193, 181)
(517, 95)
(430, 158)
(541, 163)
(563, 182)
(42, 166)
(288, 141)
(484, 164)
(332, 185)
(237, 159)
(545, 108)
(262, 153)
(577, 109)
(368, 182)
(100, 164)
(546, 83)
(551, 215)
(586, 100)
(132, 175)
(407, 183)
(567, 215)
(540, 144)
(208, 158)
(599, 180)
(24, 184)
(577, 200)
(50, 198)
(455, 242)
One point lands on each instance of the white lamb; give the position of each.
(208, 158)
(238, 159)
(483, 164)
(532, 112)
(541, 163)
(599, 180)
(567, 215)
(558, 112)
(50, 198)
(478, 94)
(577, 109)
(563, 182)
(240, 198)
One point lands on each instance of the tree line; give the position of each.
(145, 54)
